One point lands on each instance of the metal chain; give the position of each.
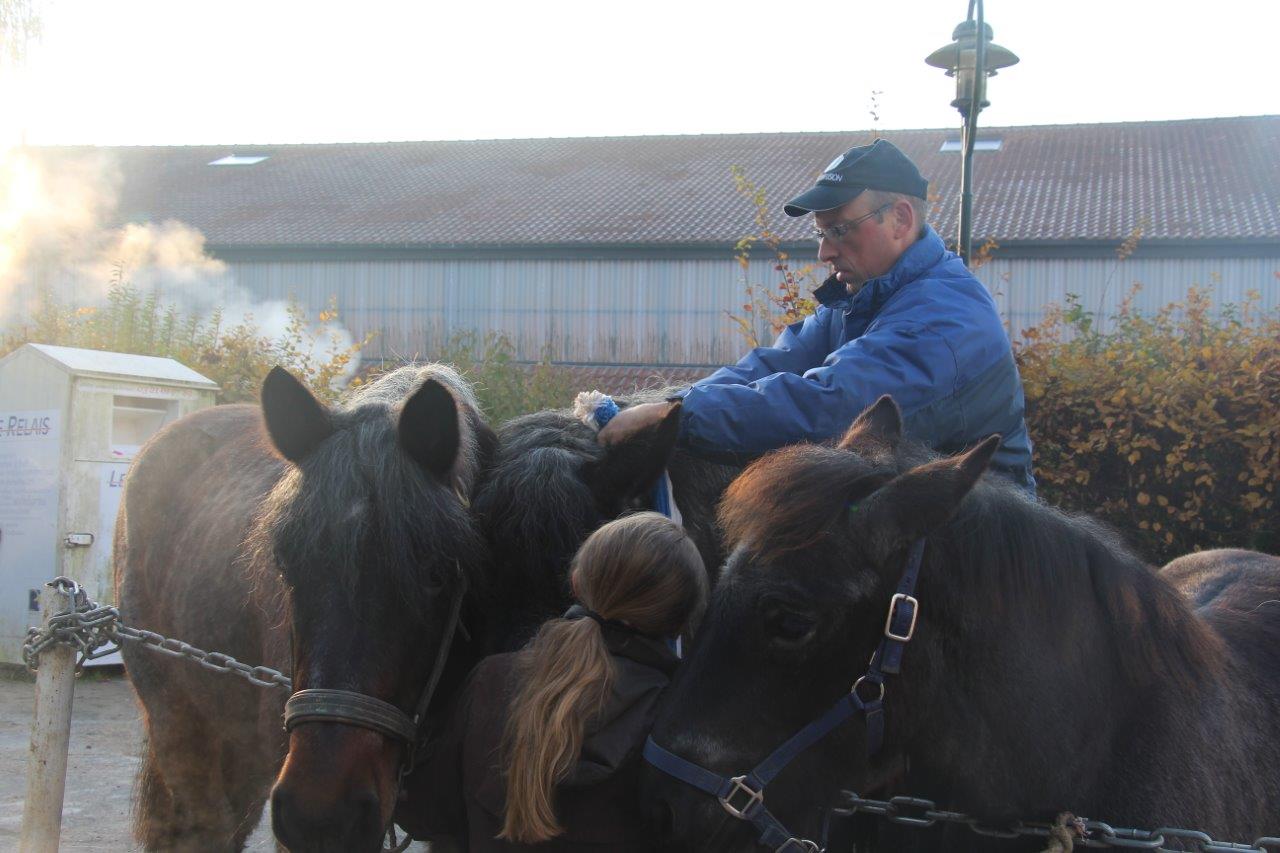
(96, 630)
(920, 812)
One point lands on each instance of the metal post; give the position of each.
(969, 133)
(50, 736)
(963, 239)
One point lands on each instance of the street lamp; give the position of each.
(971, 60)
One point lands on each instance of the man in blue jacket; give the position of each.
(900, 315)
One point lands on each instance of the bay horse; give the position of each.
(329, 542)
(1048, 669)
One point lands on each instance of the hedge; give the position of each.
(1165, 426)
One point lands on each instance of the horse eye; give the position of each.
(787, 628)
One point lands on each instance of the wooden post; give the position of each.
(50, 737)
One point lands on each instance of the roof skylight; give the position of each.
(240, 160)
(978, 145)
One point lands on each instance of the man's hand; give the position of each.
(634, 419)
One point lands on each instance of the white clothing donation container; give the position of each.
(71, 421)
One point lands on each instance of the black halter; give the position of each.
(743, 796)
(357, 709)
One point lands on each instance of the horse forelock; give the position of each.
(792, 498)
(1002, 549)
(394, 387)
(358, 509)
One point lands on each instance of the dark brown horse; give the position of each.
(551, 483)
(1050, 669)
(341, 532)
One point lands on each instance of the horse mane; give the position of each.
(1001, 544)
(533, 489)
(358, 490)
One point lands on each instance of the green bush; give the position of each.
(235, 355)
(1167, 426)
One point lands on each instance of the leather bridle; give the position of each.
(347, 707)
(743, 796)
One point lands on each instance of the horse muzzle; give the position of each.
(680, 820)
(337, 789)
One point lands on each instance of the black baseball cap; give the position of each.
(878, 166)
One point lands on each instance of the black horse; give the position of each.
(551, 483)
(1050, 668)
(343, 532)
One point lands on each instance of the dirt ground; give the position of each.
(105, 737)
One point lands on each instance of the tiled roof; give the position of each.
(1191, 180)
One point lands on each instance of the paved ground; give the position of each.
(105, 735)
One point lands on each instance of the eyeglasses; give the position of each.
(836, 232)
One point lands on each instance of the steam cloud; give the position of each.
(54, 235)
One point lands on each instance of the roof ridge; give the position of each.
(661, 136)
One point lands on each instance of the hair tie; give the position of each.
(594, 409)
(577, 611)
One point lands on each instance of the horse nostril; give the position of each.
(665, 821)
(282, 812)
(366, 818)
(660, 821)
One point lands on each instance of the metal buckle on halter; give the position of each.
(799, 845)
(859, 682)
(901, 598)
(740, 786)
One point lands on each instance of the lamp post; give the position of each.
(971, 60)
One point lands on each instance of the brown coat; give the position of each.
(461, 789)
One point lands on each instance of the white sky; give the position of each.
(117, 72)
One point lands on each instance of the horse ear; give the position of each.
(428, 428)
(876, 431)
(632, 463)
(913, 504)
(296, 421)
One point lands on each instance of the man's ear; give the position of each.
(296, 421)
(904, 219)
(876, 432)
(633, 462)
(914, 504)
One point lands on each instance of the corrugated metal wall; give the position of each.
(1024, 286)
(668, 311)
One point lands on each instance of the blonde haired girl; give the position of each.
(543, 747)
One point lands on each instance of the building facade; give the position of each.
(622, 250)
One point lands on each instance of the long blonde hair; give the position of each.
(642, 570)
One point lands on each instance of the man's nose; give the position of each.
(827, 250)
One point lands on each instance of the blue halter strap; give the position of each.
(743, 796)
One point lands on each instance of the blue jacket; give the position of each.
(926, 332)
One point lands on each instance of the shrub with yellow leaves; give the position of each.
(773, 307)
(1166, 426)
